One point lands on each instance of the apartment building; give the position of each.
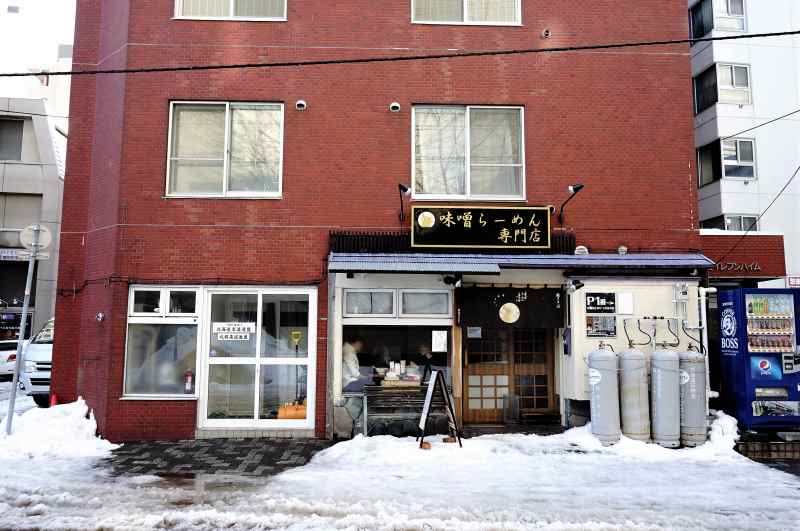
(270, 251)
(742, 168)
(34, 125)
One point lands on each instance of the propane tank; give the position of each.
(604, 395)
(666, 409)
(634, 394)
(693, 398)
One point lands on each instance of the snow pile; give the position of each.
(63, 431)
(500, 482)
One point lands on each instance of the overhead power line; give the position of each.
(754, 225)
(761, 125)
(402, 58)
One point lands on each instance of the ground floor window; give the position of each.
(162, 343)
(261, 357)
(372, 354)
(247, 354)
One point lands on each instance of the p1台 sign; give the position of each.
(601, 303)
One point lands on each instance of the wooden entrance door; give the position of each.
(508, 375)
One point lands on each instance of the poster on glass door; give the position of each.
(233, 331)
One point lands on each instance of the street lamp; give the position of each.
(573, 191)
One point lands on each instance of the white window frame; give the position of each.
(742, 17)
(466, 20)
(370, 315)
(748, 88)
(739, 162)
(468, 196)
(179, 10)
(447, 315)
(162, 318)
(225, 194)
(741, 221)
(310, 362)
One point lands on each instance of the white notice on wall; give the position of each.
(439, 341)
(233, 331)
(625, 303)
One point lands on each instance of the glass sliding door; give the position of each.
(260, 359)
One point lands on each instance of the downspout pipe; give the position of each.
(703, 301)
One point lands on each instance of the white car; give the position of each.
(35, 377)
(8, 357)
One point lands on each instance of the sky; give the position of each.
(30, 38)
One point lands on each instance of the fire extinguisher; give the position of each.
(188, 382)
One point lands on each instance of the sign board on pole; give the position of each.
(27, 237)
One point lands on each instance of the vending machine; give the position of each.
(760, 358)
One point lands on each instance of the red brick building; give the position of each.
(189, 193)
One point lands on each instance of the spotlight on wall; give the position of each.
(573, 191)
(100, 317)
(404, 191)
(574, 285)
(453, 280)
(301, 105)
(395, 107)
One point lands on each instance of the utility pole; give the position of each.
(35, 238)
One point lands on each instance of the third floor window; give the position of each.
(233, 9)
(725, 15)
(488, 12)
(733, 158)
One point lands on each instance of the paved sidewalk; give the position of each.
(240, 457)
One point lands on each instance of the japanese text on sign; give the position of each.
(481, 227)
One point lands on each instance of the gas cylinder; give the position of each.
(634, 394)
(604, 395)
(665, 398)
(693, 398)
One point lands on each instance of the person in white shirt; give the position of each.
(350, 366)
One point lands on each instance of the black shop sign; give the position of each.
(469, 227)
(601, 303)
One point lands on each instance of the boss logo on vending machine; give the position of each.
(728, 329)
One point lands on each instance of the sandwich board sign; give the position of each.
(437, 385)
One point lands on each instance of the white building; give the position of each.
(35, 36)
(738, 85)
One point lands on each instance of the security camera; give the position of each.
(301, 105)
(546, 33)
(395, 107)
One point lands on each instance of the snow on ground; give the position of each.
(500, 482)
(22, 404)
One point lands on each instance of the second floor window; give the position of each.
(11, 139)
(244, 9)
(225, 150)
(467, 11)
(468, 153)
(722, 83)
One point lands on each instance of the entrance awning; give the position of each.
(493, 264)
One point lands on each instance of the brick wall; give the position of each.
(756, 256)
(619, 122)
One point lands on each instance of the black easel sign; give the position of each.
(437, 383)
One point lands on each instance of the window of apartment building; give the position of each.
(232, 9)
(489, 12)
(225, 150)
(727, 15)
(727, 158)
(732, 222)
(11, 139)
(722, 83)
(161, 348)
(468, 153)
